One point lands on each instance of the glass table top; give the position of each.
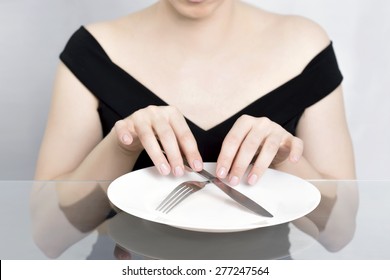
(41, 221)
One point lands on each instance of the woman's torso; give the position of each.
(255, 58)
(267, 70)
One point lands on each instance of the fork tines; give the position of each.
(175, 197)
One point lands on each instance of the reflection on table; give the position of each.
(351, 222)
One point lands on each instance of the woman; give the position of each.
(207, 80)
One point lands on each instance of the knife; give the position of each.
(233, 193)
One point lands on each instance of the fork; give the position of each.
(181, 192)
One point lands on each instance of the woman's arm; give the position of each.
(322, 147)
(72, 147)
(328, 151)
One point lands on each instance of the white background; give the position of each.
(33, 33)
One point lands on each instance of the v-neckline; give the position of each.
(229, 119)
(189, 121)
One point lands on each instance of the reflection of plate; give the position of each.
(164, 242)
(210, 210)
(158, 241)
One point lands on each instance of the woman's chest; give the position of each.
(207, 91)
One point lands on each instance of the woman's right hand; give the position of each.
(160, 127)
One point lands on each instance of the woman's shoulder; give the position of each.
(114, 30)
(107, 29)
(303, 31)
(299, 34)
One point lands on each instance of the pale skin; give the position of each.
(187, 53)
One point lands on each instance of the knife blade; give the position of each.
(234, 194)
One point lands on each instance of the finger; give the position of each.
(245, 155)
(187, 143)
(170, 146)
(296, 149)
(267, 153)
(124, 135)
(231, 145)
(152, 147)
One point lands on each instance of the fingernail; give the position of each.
(126, 139)
(234, 181)
(198, 165)
(221, 173)
(295, 158)
(164, 169)
(252, 179)
(178, 171)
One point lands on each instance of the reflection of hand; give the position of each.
(121, 254)
(252, 136)
(154, 125)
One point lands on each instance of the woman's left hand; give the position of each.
(259, 141)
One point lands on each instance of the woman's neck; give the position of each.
(204, 31)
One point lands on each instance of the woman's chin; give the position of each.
(196, 9)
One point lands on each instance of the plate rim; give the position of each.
(158, 218)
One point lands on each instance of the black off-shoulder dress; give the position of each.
(120, 94)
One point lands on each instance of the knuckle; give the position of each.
(173, 110)
(258, 168)
(262, 126)
(261, 163)
(175, 158)
(224, 160)
(228, 153)
(232, 140)
(150, 112)
(142, 135)
(264, 121)
(187, 140)
(272, 145)
(185, 135)
(268, 126)
(151, 108)
(245, 118)
(139, 115)
(226, 156)
(141, 131)
(239, 168)
(119, 124)
(252, 143)
(165, 133)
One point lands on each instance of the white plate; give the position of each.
(210, 210)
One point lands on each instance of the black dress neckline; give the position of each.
(120, 94)
(253, 105)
